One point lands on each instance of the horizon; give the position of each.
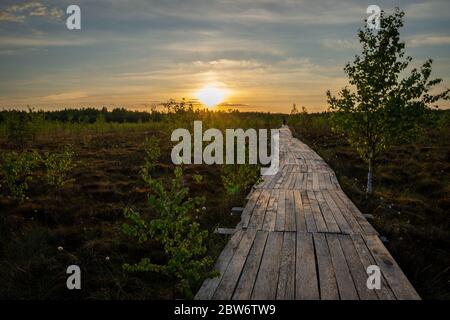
(252, 56)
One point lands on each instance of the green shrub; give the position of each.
(58, 167)
(176, 230)
(17, 170)
(152, 154)
(238, 178)
(18, 128)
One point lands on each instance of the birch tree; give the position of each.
(387, 100)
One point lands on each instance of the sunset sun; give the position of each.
(211, 95)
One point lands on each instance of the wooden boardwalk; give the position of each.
(301, 237)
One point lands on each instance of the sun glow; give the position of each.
(211, 95)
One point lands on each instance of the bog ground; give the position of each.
(84, 217)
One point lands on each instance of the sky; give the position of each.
(139, 53)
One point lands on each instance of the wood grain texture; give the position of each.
(300, 237)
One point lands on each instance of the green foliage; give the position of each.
(18, 129)
(58, 167)
(383, 109)
(238, 178)
(17, 170)
(176, 230)
(152, 154)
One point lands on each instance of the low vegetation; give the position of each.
(83, 223)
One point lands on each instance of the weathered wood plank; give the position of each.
(247, 279)
(340, 220)
(271, 212)
(306, 284)
(332, 225)
(357, 269)
(347, 290)
(309, 218)
(281, 211)
(397, 280)
(299, 212)
(290, 211)
(317, 214)
(209, 286)
(230, 277)
(267, 278)
(327, 279)
(257, 219)
(248, 209)
(367, 260)
(286, 280)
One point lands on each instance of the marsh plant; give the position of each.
(176, 230)
(17, 171)
(58, 167)
(238, 178)
(152, 155)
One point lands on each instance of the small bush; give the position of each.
(17, 170)
(18, 128)
(238, 178)
(58, 167)
(177, 231)
(152, 154)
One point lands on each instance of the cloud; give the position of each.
(340, 44)
(428, 10)
(19, 12)
(66, 96)
(6, 41)
(7, 16)
(428, 40)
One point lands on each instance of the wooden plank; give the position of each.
(384, 293)
(286, 280)
(332, 225)
(299, 212)
(299, 181)
(230, 277)
(357, 269)
(247, 279)
(292, 180)
(309, 218)
(315, 184)
(290, 212)
(364, 224)
(257, 219)
(248, 209)
(267, 279)
(317, 214)
(306, 284)
(209, 286)
(281, 211)
(271, 212)
(338, 217)
(346, 213)
(347, 290)
(397, 280)
(327, 280)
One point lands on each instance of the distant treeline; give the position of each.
(122, 115)
(91, 115)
